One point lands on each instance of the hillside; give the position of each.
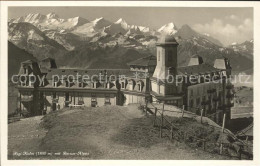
(110, 132)
(15, 57)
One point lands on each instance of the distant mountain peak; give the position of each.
(98, 19)
(120, 20)
(169, 29)
(52, 15)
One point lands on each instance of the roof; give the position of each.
(167, 39)
(197, 69)
(145, 61)
(242, 112)
(29, 61)
(248, 131)
(195, 60)
(48, 58)
(87, 72)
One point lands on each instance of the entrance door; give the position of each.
(54, 106)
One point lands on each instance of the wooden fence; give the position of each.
(168, 129)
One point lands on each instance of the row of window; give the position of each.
(202, 90)
(132, 86)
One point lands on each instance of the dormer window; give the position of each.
(55, 84)
(131, 84)
(67, 84)
(107, 85)
(25, 70)
(123, 85)
(140, 85)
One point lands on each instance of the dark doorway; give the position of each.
(54, 106)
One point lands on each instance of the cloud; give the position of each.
(226, 32)
(232, 17)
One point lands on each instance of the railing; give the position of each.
(26, 98)
(173, 132)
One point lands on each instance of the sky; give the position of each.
(227, 24)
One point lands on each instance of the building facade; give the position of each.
(149, 79)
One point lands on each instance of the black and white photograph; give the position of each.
(129, 83)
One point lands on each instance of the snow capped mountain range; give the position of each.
(82, 26)
(51, 21)
(78, 42)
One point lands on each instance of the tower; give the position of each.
(164, 87)
(166, 57)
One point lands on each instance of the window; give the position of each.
(80, 97)
(123, 85)
(170, 55)
(54, 95)
(67, 83)
(191, 92)
(24, 70)
(55, 84)
(93, 100)
(191, 103)
(93, 97)
(139, 87)
(107, 99)
(67, 97)
(198, 101)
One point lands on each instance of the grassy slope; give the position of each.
(113, 133)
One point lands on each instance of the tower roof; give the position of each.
(167, 39)
(195, 60)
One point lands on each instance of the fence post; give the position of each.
(183, 111)
(221, 148)
(161, 125)
(224, 120)
(171, 131)
(201, 113)
(155, 112)
(161, 131)
(204, 144)
(146, 103)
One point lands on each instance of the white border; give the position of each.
(4, 89)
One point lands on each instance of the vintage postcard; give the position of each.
(129, 81)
